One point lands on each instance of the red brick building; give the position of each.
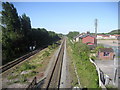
(88, 39)
(106, 54)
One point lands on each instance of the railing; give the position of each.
(32, 84)
(100, 75)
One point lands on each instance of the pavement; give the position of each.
(65, 76)
(109, 68)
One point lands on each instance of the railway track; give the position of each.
(11, 64)
(17, 61)
(54, 77)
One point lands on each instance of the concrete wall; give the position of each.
(77, 39)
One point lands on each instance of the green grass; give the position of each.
(46, 54)
(12, 77)
(31, 67)
(74, 81)
(27, 66)
(86, 70)
(87, 73)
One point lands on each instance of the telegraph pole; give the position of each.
(96, 27)
(96, 24)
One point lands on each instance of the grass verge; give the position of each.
(86, 70)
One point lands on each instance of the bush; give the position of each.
(82, 50)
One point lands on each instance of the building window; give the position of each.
(106, 53)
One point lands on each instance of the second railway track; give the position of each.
(11, 64)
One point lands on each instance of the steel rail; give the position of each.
(54, 80)
(17, 61)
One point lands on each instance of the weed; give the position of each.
(27, 66)
(22, 79)
(12, 77)
(46, 54)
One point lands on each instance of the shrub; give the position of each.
(82, 50)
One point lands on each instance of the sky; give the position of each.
(63, 17)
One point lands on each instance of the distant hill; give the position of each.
(115, 32)
(111, 32)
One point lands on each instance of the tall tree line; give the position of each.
(72, 34)
(18, 36)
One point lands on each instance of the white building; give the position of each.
(107, 36)
(77, 38)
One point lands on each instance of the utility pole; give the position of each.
(96, 26)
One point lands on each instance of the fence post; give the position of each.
(35, 80)
(115, 74)
(32, 84)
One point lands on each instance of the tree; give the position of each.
(72, 34)
(53, 36)
(25, 24)
(10, 18)
(10, 30)
(18, 36)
